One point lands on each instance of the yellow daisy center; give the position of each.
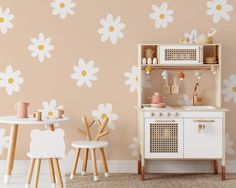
(50, 113)
(136, 78)
(111, 28)
(84, 73)
(10, 80)
(1, 20)
(103, 116)
(218, 7)
(162, 16)
(62, 5)
(40, 47)
(234, 89)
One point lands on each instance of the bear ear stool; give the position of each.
(60, 133)
(35, 133)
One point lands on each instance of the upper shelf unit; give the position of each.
(179, 55)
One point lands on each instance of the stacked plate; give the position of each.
(211, 60)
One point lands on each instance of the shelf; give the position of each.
(152, 44)
(181, 66)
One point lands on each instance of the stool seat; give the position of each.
(89, 144)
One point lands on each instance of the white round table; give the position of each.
(14, 122)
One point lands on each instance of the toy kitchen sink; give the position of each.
(184, 118)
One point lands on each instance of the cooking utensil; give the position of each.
(175, 87)
(166, 87)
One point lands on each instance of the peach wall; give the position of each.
(76, 37)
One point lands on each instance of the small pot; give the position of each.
(156, 98)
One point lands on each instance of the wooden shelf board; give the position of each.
(181, 67)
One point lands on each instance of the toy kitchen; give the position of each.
(179, 104)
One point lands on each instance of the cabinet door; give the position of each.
(203, 138)
(163, 138)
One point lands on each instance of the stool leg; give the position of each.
(104, 162)
(30, 172)
(36, 179)
(58, 172)
(75, 163)
(95, 172)
(85, 161)
(52, 173)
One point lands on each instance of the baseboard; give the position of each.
(129, 166)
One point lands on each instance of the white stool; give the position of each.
(90, 145)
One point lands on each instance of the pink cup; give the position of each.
(22, 109)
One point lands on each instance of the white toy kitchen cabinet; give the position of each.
(187, 124)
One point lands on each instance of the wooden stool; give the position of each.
(90, 145)
(48, 151)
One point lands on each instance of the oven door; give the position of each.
(163, 138)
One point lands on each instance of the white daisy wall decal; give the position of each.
(229, 145)
(49, 109)
(191, 36)
(84, 73)
(5, 20)
(105, 110)
(11, 80)
(161, 15)
(134, 147)
(185, 101)
(230, 90)
(111, 29)
(219, 9)
(132, 80)
(63, 8)
(40, 47)
(4, 140)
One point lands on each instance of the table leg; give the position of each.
(51, 127)
(11, 152)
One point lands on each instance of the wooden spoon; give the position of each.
(166, 87)
(175, 87)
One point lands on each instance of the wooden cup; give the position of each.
(38, 115)
(59, 113)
